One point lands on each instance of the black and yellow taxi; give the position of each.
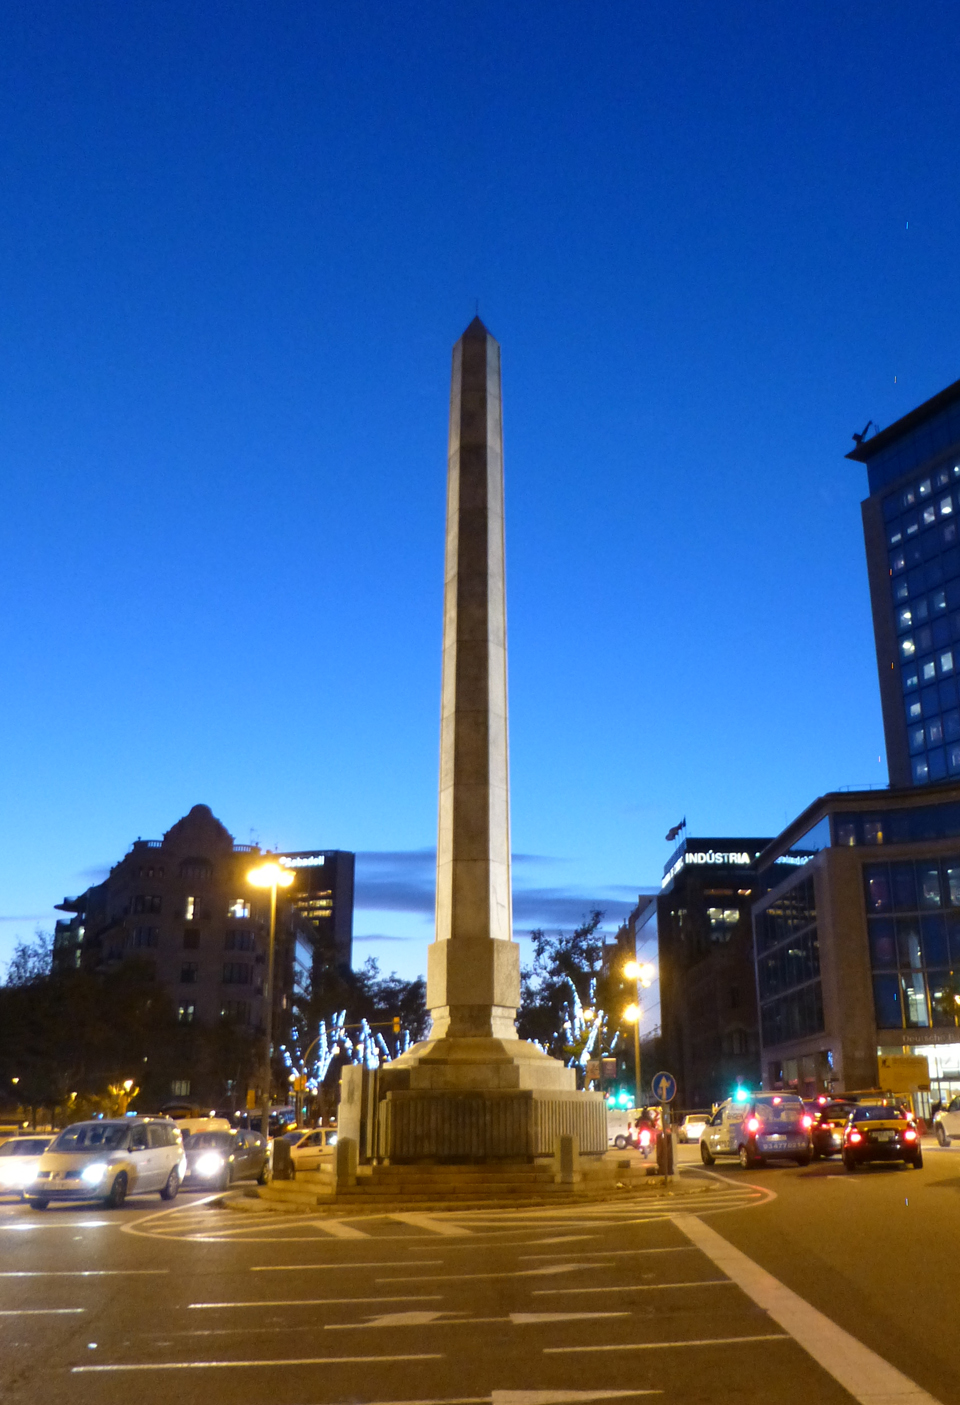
(881, 1132)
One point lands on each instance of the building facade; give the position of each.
(857, 937)
(910, 528)
(183, 905)
(707, 985)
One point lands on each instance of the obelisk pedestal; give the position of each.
(473, 1090)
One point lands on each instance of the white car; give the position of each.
(691, 1128)
(946, 1122)
(108, 1159)
(19, 1159)
(314, 1147)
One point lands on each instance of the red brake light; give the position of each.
(910, 1135)
(854, 1136)
(753, 1124)
(806, 1120)
(776, 1101)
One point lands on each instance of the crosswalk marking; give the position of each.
(431, 1223)
(339, 1230)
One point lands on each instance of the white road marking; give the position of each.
(515, 1273)
(609, 1253)
(637, 1287)
(39, 1311)
(262, 1364)
(81, 1272)
(325, 1302)
(435, 1226)
(521, 1319)
(339, 1230)
(328, 1267)
(866, 1376)
(561, 1397)
(391, 1319)
(62, 1224)
(661, 1346)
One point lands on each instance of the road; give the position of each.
(524, 1307)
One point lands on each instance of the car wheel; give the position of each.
(40, 1204)
(849, 1162)
(816, 1154)
(118, 1192)
(169, 1191)
(262, 1178)
(706, 1155)
(805, 1160)
(917, 1162)
(942, 1137)
(620, 1143)
(747, 1159)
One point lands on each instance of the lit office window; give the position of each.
(907, 648)
(239, 908)
(190, 910)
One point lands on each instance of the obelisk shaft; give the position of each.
(473, 965)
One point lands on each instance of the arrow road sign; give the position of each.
(664, 1087)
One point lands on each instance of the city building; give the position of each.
(857, 935)
(183, 903)
(707, 986)
(910, 528)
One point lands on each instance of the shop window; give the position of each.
(915, 1000)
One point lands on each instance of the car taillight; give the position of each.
(854, 1136)
(910, 1135)
(806, 1121)
(753, 1124)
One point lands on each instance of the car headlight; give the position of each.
(16, 1175)
(209, 1164)
(94, 1172)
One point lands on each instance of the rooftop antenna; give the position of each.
(859, 438)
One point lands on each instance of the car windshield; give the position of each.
(879, 1114)
(91, 1136)
(220, 1140)
(28, 1146)
(779, 1111)
(837, 1112)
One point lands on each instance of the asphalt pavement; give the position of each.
(785, 1285)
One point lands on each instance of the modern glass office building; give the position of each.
(857, 940)
(910, 526)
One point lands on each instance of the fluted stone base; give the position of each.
(483, 1099)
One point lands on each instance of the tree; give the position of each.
(31, 960)
(565, 995)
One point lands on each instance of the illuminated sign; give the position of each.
(301, 861)
(693, 858)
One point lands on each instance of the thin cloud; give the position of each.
(30, 917)
(379, 937)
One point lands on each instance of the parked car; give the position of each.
(692, 1125)
(768, 1127)
(215, 1159)
(108, 1159)
(314, 1147)
(946, 1122)
(19, 1159)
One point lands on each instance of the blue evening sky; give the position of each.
(237, 242)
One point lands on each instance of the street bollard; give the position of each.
(346, 1168)
(566, 1157)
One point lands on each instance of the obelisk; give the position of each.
(473, 970)
(473, 1090)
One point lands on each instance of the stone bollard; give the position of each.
(566, 1156)
(283, 1167)
(346, 1167)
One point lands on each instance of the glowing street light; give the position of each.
(643, 975)
(269, 875)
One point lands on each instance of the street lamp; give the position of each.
(269, 875)
(642, 975)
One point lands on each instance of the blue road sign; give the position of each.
(664, 1087)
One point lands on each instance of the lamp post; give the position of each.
(269, 875)
(642, 975)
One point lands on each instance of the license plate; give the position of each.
(884, 1136)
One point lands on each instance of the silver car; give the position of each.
(19, 1159)
(108, 1160)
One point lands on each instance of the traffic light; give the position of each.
(396, 1024)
